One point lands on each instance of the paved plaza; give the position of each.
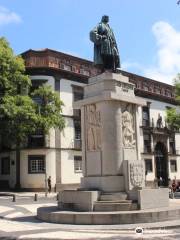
(18, 221)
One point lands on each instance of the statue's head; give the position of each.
(105, 19)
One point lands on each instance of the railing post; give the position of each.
(35, 197)
(14, 198)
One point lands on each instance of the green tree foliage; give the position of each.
(173, 114)
(49, 108)
(18, 118)
(12, 70)
(19, 113)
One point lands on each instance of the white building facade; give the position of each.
(59, 154)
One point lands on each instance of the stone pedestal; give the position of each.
(110, 144)
(109, 132)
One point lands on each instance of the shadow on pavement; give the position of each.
(28, 219)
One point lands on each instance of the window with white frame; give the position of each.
(77, 164)
(172, 147)
(147, 142)
(36, 164)
(148, 165)
(173, 165)
(145, 116)
(78, 93)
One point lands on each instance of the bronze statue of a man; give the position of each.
(106, 53)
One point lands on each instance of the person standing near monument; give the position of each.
(106, 54)
(49, 184)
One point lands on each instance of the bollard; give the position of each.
(14, 198)
(57, 197)
(35, 197)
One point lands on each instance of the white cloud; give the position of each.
(167, 63)
(168, 54)
(6, 16)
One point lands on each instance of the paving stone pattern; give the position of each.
(18, 221)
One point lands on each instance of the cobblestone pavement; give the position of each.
(18, 221)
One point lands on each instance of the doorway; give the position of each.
(161, 164)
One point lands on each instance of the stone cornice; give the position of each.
(57, 60)
(79, 69)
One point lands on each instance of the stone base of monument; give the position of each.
(54, 215)
(95, 207)
(95, 201)
(113, 183)
(74, 200)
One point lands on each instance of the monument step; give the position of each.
(113, 196)
(114, 201)
(114, 206)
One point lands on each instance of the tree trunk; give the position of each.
(18, 183)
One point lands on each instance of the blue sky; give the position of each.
(147, 31)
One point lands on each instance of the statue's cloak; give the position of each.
(103, 46)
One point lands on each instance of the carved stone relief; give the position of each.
(136, 174)
(128, 128)
(93, 134)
